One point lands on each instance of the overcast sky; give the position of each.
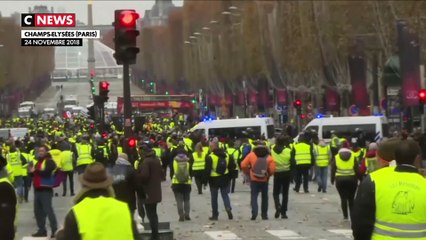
(103, 11)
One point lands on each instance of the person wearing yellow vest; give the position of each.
(281, 153)
(26, 178)
(335, 143)
(235, 156)
(198, 167)
(8, 203)
(17, 161)
(322, 154)
(68, 167)
(181, 183)
(96, 213)
(302, 154)
(344, 171)
(390, 203)
(370, 162)
(218, 166)
(84, 153)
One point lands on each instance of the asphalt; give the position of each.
(315, 216)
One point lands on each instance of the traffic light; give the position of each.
(167, 92)
(298, 105)
(91, 110)
(194, 100)
(93, 90)
(104, 90)
(422, 96)
(125, 36)
(131, 142)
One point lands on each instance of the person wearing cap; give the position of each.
(96, 213)
(8, 203)
(390, 203)
(149, 177)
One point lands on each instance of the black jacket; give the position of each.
(124, 183)
(71, 231)
(221, 181)
(364, 212)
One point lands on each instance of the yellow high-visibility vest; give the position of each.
(103, 218)
(400, 205)
(345, 168)
(282, 160)
(14, 159)
(302, 154)
(215, 161)
(323, 156)
(67, 158)
(199, 162)
(84, 152)
(175, 170)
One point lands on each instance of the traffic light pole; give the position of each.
(127, 101)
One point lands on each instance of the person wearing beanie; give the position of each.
(96, 213)
(390, 201)
(8, 203)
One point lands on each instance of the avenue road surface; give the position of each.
(315, 216)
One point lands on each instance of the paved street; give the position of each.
(315, 216)
(81, 89)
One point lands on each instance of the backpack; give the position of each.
(260, 168)
(182, 173)
(246, 150)
(222, 165)
(100, 155)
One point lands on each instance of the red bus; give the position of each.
(161, 105)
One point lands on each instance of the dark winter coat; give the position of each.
(364, 212)
(149, 177)
(124, 183)
(221, 181)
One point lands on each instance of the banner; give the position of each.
(240, 98)
(253, 98)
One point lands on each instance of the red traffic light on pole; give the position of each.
(131, 142)
(104, 86)
(125, 26)
(128, 19)
(297, 103)
(422, 96)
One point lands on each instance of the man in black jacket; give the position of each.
(393, 192)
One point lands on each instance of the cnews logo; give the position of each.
(48, 20)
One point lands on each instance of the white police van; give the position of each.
(235, 128)
(375, 128)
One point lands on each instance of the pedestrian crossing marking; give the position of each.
(222, 235)
(285, 234)
(346, 232)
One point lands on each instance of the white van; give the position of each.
(235, 128)
(375, 128)
(27, 104)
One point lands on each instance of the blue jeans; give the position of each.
(43, 208)
(322, 173)
(214, 192)
(257, 187)
(19, 185)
